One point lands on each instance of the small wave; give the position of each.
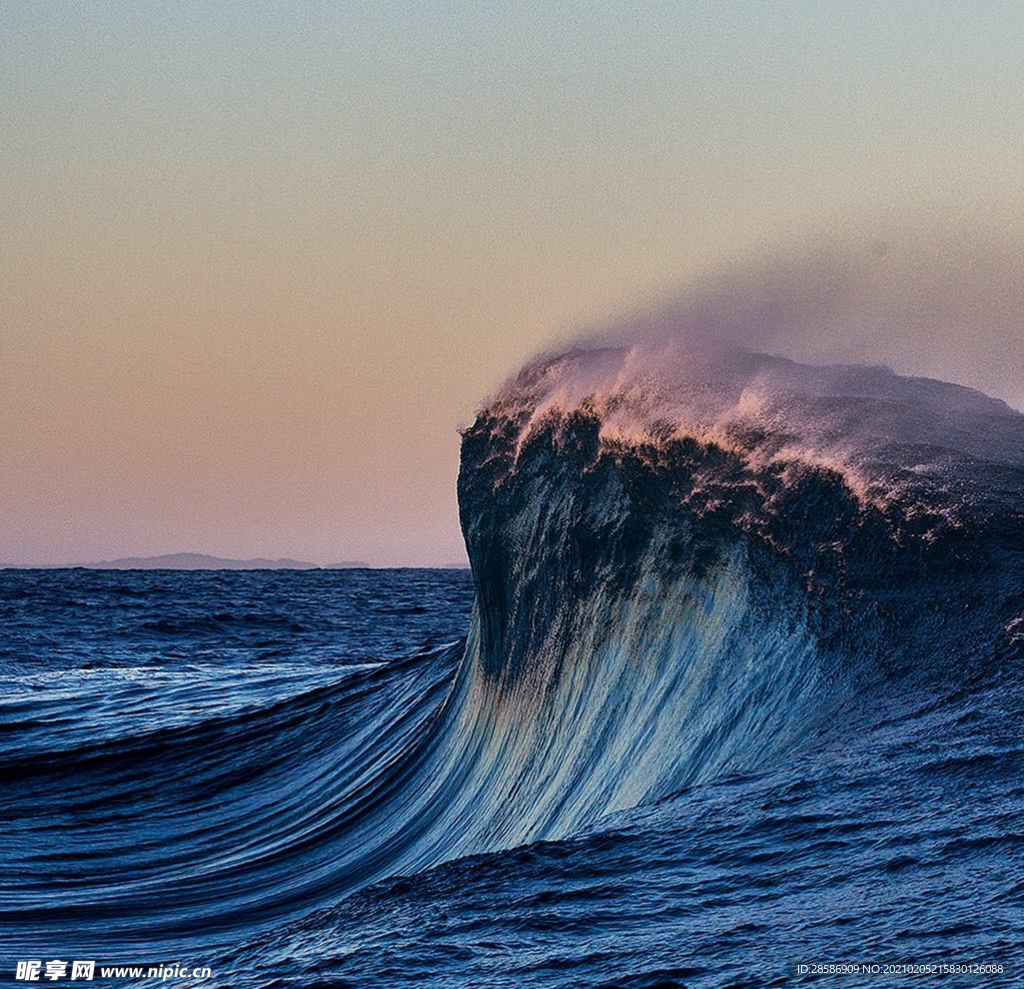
(219, 622)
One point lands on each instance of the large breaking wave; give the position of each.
(688, 560)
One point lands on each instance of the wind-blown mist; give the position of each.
(927, 299)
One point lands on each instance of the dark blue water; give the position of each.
(177, 749)
(185, 758)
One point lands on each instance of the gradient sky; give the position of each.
(259, 261)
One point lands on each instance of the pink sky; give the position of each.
(256, 271)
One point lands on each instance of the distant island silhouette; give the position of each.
(202, 561)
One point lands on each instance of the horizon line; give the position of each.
(191, 561)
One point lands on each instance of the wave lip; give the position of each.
(867, 422)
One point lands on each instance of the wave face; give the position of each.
(686, 561)
(745, 643)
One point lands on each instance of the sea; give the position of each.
(186, 760)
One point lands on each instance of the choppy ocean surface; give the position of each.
(733, 696)
(182, 756)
